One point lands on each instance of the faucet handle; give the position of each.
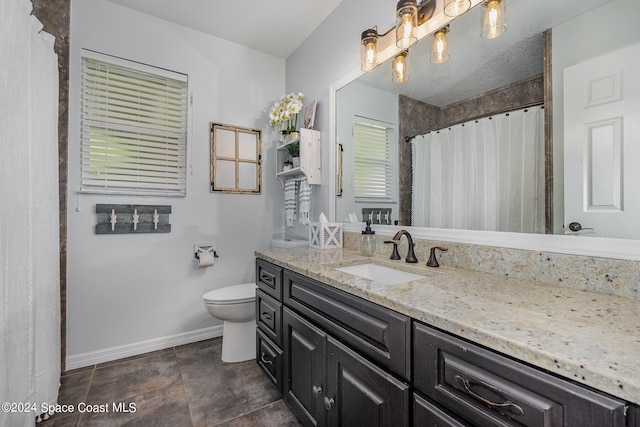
(433, 262)
(394, 254)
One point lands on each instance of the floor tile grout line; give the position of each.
(247, 413)
(175, 354)
(86, 393)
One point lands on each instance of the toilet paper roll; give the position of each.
(206, 259)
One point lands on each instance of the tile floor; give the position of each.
(181, 386)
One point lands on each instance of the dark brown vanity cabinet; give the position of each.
(483, 388)
(338, 359)
(328, 383)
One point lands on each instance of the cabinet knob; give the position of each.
(317, 390)
(328, 403)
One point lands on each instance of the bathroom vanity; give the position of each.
(447, 347)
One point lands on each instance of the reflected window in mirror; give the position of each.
(374, 160)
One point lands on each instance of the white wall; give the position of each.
(129, 293)
(599, 31)
(327, 56)
(357, 99)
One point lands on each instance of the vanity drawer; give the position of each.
(269, 278)
(426, 413)
(492, 390)
(269, 317)
(269, 358)
(381, 334)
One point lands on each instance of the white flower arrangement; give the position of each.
(285, 112)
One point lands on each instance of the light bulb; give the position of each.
(369, 50)
(399, 65)
(455, 8)
(407, 23)
(494, 20)
(439, 46)
(371, 54)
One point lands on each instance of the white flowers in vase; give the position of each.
(284, 112)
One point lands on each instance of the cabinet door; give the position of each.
(305, 354)
(361, 394)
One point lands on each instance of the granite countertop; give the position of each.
(591, 338)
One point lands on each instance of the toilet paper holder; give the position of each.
(199, 248)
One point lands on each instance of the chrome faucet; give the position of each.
(411, 256)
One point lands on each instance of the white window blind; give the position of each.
(374, 161)
(133, 128)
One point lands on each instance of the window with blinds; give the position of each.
(374, 162)
(133, 128)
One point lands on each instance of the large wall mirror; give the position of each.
(522, 68)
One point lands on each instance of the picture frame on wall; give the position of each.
(309, 115)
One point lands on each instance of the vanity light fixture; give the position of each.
(369, 50)
(410, 15)
(406, 23)
(455, 8)
(399, 65)
(439, 46)
(494, 19)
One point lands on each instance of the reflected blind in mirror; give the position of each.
(374, 161)
(133, 127)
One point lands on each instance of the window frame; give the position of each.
(391, 160)
(159, 165)
(236, 158)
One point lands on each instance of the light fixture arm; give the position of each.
(425, 10)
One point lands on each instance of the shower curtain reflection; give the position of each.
(486, 174)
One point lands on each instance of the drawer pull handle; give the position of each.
(265, 315)
(328, 403)
(263, 359)
(316, 391)
(267, 278)
(508, 405)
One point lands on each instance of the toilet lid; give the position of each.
(234, 294)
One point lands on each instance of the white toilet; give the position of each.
(236, 305)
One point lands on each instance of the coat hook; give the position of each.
(135, 219)
(113, 219)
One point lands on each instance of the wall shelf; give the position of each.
(310, 158)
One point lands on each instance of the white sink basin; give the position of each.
(388, 276)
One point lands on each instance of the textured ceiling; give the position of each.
(276, 27)
(478, 65)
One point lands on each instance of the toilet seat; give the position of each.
(234, 294)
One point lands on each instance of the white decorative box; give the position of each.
(325, 235)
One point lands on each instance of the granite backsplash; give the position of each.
(601, 275)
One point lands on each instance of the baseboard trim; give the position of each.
(81, 360)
